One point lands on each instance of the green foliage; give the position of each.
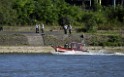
(105, 40)
(92, 20)
(113, 41)
(24, 9)
(96, 6)
(91, 25)
(7, 14)
(115, 13)
(29, 12)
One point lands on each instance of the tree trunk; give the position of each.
(122, 2)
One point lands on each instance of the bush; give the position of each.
(115, 13)
(26, 12)
(91, 26)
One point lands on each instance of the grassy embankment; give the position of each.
(55, 36)
(14, 42)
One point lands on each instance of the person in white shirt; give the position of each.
(65, 29)
(37, 28)
(42, 28)
(70, 29)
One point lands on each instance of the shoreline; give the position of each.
(25, 49)
(49, 49)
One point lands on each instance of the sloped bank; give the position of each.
(100, 43)
(88, 39)
(60, 40)
(18, 43)
(52, 39)
(13, 40)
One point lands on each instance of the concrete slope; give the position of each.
(35, 39)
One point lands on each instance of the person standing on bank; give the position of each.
(37, 28)
(65, 29)
(42, 28)
(70, 29)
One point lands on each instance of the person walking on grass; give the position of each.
(1, 28)
(37, 28)
(70, 29)
(42, 28)
(65, 29)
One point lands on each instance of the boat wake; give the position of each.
(91, 52)
(119, 53)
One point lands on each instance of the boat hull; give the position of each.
(70, 49)
(70, 53)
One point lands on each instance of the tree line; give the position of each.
(30, 12)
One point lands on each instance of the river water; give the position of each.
(47, 65)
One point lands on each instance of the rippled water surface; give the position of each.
(46, 65)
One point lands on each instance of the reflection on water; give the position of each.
(46, 65)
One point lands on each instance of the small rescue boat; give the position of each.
(72, 48)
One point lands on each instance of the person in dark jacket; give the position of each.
(1, 28)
